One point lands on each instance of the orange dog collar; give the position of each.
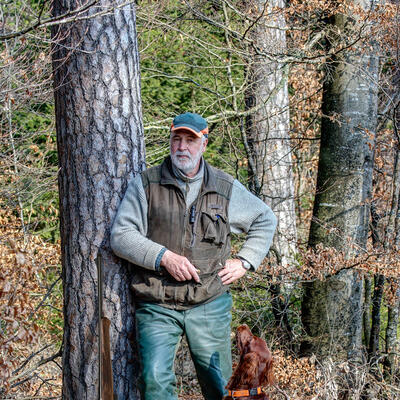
(244, 392)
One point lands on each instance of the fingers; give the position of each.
(193, 272)
(185, 271)
(179, 267)
(232, 271)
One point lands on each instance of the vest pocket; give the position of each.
(148, 286)
(211, 286)
(214, 228)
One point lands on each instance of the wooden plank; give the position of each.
(107, 389)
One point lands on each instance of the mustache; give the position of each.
(183, 153)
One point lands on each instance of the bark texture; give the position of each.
(393, 243)
(332, 309)
(100, 146)
(271, 176)
(391, 336)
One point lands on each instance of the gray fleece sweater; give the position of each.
(246, 213)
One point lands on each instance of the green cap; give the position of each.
(192, 122)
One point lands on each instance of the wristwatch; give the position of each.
(245, 264)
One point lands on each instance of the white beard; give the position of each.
(186, 165)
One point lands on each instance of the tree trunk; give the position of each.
(391, 342)
(393, 237)
(367, 309)
(332, 309)
(373, 348)
(100, 146)
(268, 127)
(373, 319)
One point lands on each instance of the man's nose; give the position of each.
(182, 145)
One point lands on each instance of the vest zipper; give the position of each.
(195, 216)
(183, 239)
(193, 220)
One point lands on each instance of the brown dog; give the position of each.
(253, 370)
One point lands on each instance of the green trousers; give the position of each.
(207, 329)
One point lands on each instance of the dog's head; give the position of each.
(255, 364)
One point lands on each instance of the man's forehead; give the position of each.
(184, 132)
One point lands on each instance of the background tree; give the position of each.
(268, 125)
(267, 138)
(332, 309)
(100, 146)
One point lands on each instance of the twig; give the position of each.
(36, 366)
(44, 298)
(30, 358)
(48, 21)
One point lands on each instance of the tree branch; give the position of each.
(50, 21)
(34, 368)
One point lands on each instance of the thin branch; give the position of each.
(189, 80)
(63, 18)
(29, 358)
(45, 297)
(41, 362)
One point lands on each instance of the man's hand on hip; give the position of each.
(232, 271)
(179, 267)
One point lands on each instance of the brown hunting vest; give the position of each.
(199, 232)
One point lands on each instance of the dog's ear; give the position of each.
(246, 373)
(267, 375)
(243, 337)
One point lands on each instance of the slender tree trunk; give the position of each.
(100, 146)
(367, 309)
(373, 318)
(332, 309)
(267, 132)
(373, 348)
(268, 127)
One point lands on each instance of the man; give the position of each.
(174, 225)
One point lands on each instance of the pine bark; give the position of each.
(332, 309)
(100, 147)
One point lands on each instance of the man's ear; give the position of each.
(205, 142)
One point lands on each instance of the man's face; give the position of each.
(186, 151)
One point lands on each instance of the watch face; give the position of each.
(246, 264)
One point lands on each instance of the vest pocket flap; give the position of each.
(214, 227)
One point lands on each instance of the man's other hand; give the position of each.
(179, 267)
(232, 271)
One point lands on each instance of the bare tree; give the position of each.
(268, 127)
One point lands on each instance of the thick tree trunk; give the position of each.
(100, 145)
(332, 309)
(391, 342)
(393, 237)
